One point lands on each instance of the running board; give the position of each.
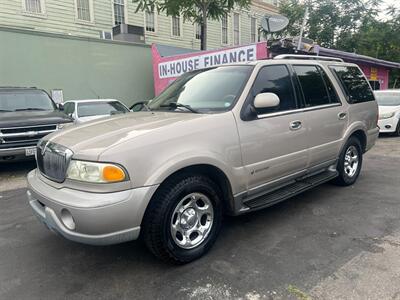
(290, 190)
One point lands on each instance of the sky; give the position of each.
(385, 4)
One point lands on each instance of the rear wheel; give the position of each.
(183, 218)
(350, 162)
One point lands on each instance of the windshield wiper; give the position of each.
(5, 110)
(179, 105)
(30, 108)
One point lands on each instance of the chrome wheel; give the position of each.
(351, 161)
(192, 220)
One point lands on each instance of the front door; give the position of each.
(274, 144)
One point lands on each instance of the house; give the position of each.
(96, 19)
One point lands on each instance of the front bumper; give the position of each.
(15, 153)
(89, 218)
(388, 125)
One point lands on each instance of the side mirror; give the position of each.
(60, 106)
(266, 100)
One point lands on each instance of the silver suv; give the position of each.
(226, 140)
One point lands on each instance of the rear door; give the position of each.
(326, 116)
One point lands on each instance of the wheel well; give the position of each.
(360, 135)
(216, 175)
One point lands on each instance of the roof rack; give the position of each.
(310, 57)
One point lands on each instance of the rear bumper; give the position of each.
(89, 218)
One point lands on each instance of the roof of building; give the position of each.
(358, 58)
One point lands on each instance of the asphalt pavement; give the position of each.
(328, 243)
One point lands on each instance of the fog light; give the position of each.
(67, 219)
(388, 126)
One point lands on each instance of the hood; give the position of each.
(90, 118)
(92, 138)
(32, 118)
(388, 109)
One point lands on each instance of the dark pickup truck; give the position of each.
(26, 115)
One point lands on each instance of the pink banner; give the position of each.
(167, 69)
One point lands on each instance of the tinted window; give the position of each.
(275, 79)
(354, 84)
(329, 86)
(25, 100)
(86, 109)
(312, 85)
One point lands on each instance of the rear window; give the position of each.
(354, 84)
(88, 109)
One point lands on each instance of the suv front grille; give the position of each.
(24, 136)
(53, 160)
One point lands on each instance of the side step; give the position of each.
(290, 190)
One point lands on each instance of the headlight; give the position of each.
(95, 172)
(386, 115)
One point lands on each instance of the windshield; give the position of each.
(25, 100)
(97, 108)
(205, 90)
(388, 99)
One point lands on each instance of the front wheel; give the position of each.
(350, 162)
(183, 219)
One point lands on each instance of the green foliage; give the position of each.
(348, 25)
(196, 11)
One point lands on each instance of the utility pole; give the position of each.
(302, 29)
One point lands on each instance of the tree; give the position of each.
(196, 11)
(328, 20)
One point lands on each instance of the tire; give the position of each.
(185, 203)
(397, 132)
(349, 167)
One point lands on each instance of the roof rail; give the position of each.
(310, 57)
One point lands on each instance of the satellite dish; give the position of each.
(274, 23)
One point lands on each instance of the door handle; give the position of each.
(295, 125)
(342, 115)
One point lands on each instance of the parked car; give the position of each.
(87, 110)
(389, 111)
(225, 140)
(26, 115)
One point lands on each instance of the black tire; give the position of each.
(397, 132)
(344, 179)
(156, 226)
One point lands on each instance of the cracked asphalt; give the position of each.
(328, 243)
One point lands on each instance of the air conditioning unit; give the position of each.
(106, 35)
(128, 33)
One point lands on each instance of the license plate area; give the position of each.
(31, 151)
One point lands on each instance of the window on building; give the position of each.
(236, 29)
(150, 21)
(34, 6)
(83, 10)
(176, 25)
(354, 84)
(198, 31)
(224, 29)
(275, 79)
(313, 87)
(253, 30)
(119, 12)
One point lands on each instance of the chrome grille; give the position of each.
(53, 160)
(24, 136)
